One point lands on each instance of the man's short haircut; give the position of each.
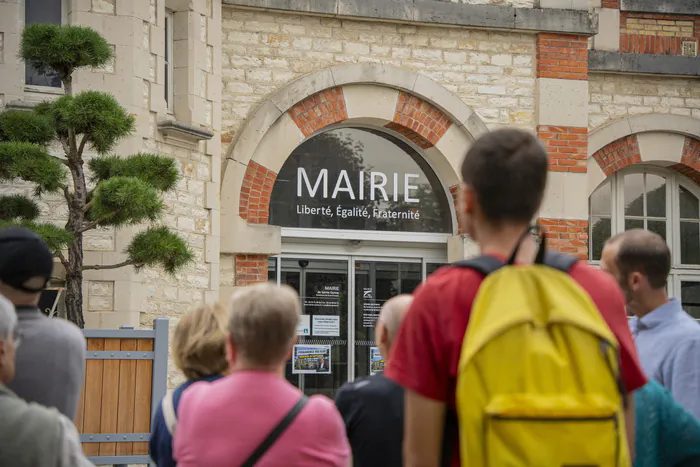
(263, 322)
(8, 318)
(508, 171)
(645, 252)
(199, 342)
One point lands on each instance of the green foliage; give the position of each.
(125, 200)
(63, 49)
(56, 237)
(95, 114)
(32, 163)
(27, 127)
(18, 207)
(159, 246)
(158, 171)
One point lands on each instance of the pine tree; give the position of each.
(115, 191)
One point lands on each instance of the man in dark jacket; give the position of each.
(51, 363)
(372, 407)
(30, 434)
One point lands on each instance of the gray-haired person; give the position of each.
(30, 434)
(51, 363)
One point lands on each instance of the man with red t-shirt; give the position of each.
(505, 174)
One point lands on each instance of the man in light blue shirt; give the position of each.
(667, 338)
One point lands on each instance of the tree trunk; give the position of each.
(74, 282)
(76, 205)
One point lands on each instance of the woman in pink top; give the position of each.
(220, 424)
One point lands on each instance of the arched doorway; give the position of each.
(342, 186)
(338, 198)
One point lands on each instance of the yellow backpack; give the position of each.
(539, 382)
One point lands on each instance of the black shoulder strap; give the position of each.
(488, 264)
(483, 264)
(276, 432)
(559, 261)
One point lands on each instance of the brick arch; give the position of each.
(414, 118)
(625, 152)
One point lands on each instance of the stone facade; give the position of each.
(263, 81)
(137, 32)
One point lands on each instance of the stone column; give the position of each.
(11, 68)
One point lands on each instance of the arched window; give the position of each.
(659, 200)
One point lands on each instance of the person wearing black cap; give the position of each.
(50, 364)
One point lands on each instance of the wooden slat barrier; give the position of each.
(125, 376)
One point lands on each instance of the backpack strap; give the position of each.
(559, 261)
(169, 412)
(483, 264)
(276, 432)
(488, 264)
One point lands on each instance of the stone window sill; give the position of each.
(184, 132)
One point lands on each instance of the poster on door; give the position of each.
(311, 359)
(376, 361)
(370, 308)
(324, 325)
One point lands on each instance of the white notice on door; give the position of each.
(325, 325)
(304, 326)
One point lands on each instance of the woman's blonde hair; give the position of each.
(199, 342)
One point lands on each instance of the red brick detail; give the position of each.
(614, 4)
(657, 34)
(566, 236)
(567, 147)
(618, 155)
(691, 153)
(419, 121)
(454, 190)
(690, 160)
(562, 56)
(226, 138)
(320, 110)
(254, 205)
(251, 269)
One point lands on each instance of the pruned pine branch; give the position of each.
(111, 266)
(94, 224)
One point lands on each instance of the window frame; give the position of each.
(617, 223)
(37, 89)
(169, 68)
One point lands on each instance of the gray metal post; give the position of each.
(160, 362)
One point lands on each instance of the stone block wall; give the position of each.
(615, 96)
(491, 71)
(136, 31)
(513, 3)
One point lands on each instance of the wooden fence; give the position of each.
(125, 376)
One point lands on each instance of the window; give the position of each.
(359, 179)
(42, 11)
(168, 72)
(659, 200)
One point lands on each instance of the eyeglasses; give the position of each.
(17, 337)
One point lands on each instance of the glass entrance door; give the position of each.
(375, 283)
(341, 298)
(319, 363)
